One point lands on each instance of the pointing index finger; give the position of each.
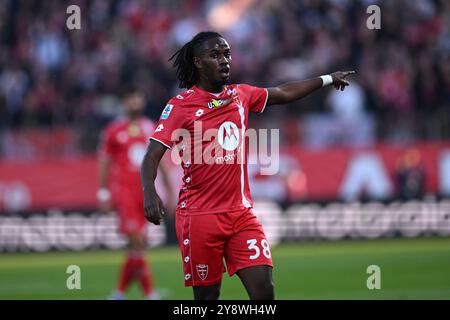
(346, 73)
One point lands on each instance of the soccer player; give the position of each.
(214, 218)
(123, 146)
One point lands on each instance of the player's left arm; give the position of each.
(295, 90)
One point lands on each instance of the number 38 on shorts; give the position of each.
(263, 246)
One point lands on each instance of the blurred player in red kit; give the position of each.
(123, 145)
(214, 218)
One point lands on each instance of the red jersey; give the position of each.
(125, 142)
(213, 146)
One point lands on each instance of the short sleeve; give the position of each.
(171, 120)
(108, 145)
(256, 97)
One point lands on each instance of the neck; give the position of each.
(210, 87)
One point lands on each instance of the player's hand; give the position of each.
(339, 81)
(104, 207)
(104, 200)
(153, 207)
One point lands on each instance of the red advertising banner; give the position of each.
(343, 174)
(347, 173)
(62, 184)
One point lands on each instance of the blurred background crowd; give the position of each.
(60, 87)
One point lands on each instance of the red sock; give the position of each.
(126, 274)
(144, 275)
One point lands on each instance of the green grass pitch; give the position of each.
(410, 269)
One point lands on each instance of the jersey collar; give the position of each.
(215, 95)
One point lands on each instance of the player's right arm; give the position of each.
(103, 193)
(172, 119)
(153, 206)
(168, 187)
(106, 151)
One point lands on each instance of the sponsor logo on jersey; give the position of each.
(202, 270)
(180, 97)
(136, 153)
(214, 103)
(199, 112)
(159, 128)
(166, 112)
(228, 136)
(229, 157)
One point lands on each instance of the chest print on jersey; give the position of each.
(122, 137)
(214, 103)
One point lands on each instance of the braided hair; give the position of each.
(186, 71)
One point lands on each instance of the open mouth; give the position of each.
(224, 72)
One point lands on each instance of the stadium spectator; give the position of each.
(410, 176)
(51, 76)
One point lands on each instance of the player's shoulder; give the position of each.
(179, 104)
(243, 87)
(248, 91)
(182, 98)
(146, 121)
(115, 125)
(147, 124)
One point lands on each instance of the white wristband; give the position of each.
(326, 80)
(103, 195)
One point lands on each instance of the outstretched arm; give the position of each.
(153, 206)
(295, 90)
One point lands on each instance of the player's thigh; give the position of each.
(258, 282)
(207, 292)
(137, 240)
(202, 249)
(248, 246)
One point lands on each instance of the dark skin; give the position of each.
(213, 62)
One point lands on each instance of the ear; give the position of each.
(198, 62)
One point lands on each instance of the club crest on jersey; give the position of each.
(202, 270)
(214, 103)
(166, 112)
